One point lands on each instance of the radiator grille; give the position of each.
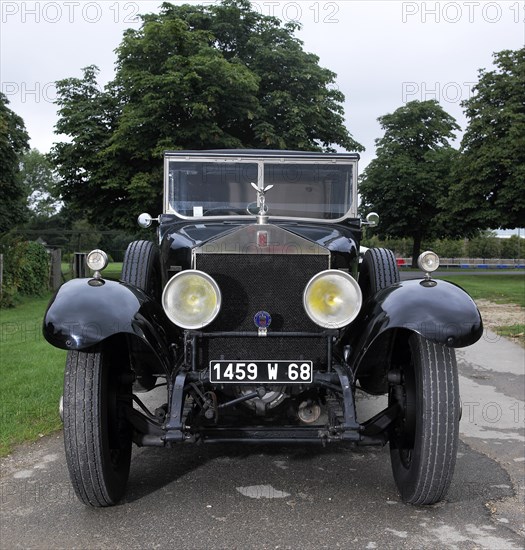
(271, 282)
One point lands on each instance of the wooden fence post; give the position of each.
(79, 265)
(55, 273)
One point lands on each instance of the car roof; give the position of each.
(258, 153)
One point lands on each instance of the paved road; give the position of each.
(290, 497)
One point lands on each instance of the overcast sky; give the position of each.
(385, 53)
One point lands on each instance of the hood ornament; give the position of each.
(262, 218)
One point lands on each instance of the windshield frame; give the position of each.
(261, 157)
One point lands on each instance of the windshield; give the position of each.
(301, 189)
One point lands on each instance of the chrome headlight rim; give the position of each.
(212, 314)
(97, 260)
(349, 317)
(428, 261)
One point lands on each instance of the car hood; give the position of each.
(334, 237)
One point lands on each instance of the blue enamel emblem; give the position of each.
(262, 319)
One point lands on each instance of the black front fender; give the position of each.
(437, 310)
(84, 312)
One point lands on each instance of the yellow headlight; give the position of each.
(191, 299)
(332, 299)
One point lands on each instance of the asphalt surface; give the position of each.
(292, 497)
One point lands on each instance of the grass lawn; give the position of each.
(502, 289)
(111, 272)
(513, 331)
(31, 373)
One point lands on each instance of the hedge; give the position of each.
(483, 246)
(26, 271)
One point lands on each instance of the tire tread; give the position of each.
(440, 431)
(82, 430)
(379, 270)
(136, 264)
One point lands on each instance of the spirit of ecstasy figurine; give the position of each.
(261, 197)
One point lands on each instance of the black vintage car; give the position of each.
(257, 313)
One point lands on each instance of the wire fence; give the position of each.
(472, 263)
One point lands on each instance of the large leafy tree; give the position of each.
(14, 141)
(489, 188)
(192, 77)
(40, 182)
(410, 176)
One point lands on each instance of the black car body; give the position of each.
(256, 310)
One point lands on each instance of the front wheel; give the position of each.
(378, 271)
(97, 436)
(424, 438)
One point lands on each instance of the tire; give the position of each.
(97, 436)
(140, 268)
(378, 270)
(424, 438)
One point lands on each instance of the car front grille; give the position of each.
(262, 282)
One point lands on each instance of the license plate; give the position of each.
(261, 372)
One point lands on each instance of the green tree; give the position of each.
(13, 143)
(410, 175)
(485, 245)
(84, 237)
(489, 189)
(40, 184)
(192, 77)
(512, 247)
(449, 248)
(88, 115)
